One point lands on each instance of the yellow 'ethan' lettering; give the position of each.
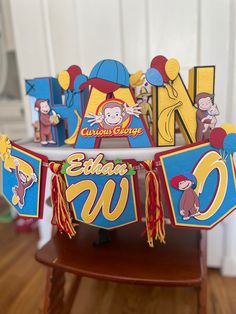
(78, 166)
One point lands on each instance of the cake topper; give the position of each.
(111, 110)
(173, 102)
(67, 111)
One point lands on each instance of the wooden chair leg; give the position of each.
(202, 293)
(54, 295)
(202, 298)
(69, 300)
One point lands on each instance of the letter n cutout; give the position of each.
(168, 109)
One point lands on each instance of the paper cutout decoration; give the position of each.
(229, 128)
(75, 100)
(47, 120)
(172, 101)
(199, 185)
(224, 138)
(137, 79)
(69, 112)
(159, 63)
(144, 100)
(111, 110)
(44, 93)
(102, 193)
(206, 115)
(108, 76)
(23, 178)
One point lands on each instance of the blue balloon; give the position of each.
(154, 77)
(79, 80)
(229, 144)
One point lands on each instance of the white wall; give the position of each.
(51, 35)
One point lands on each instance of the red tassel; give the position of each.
(155, 225)
(61, 210)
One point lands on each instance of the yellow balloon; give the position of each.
(172, 68)
(229, 128)
(64, 79)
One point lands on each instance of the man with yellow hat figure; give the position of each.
(146, 108)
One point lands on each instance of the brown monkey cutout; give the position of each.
(23, 183)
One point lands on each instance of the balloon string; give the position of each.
(71, 100)
(167, 89)
(221, 152)
(174, 91)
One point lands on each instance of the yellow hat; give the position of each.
(136, 79)
(143, 91)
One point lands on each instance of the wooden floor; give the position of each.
(22, 282)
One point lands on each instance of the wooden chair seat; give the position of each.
(129, 259)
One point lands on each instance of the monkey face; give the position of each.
(205, 103)
(113, 116)
(44, 107)
(185, 184)
(23, 177)
(145, 98)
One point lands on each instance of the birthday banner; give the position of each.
(198, 184)
(23, 175)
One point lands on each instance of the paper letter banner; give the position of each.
(199, 185)
(23, 178)
(102, 193)
(111, 110)
(172, 102)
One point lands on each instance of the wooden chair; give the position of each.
(127, 258)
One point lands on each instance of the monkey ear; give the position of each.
(37, 109)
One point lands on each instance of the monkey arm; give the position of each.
(134, 110)
(45, 119)
(207, 121)
(17, 174)
(29, 183)
(201, 115)
(125, 115)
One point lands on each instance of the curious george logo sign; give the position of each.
(112, 118)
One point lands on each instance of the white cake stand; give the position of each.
(62, 152)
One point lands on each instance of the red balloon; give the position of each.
(74, 71)
(159, 63)
(217, 137)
